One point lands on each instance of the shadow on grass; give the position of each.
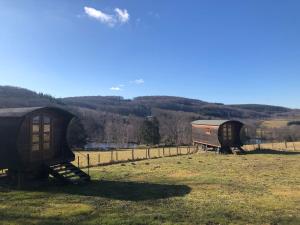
(271, 151)
(121, 190)
(118, 190)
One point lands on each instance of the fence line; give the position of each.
(278, 146)
(86, 159)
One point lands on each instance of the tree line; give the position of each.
(168, 128)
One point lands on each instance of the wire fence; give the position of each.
(85, 159)
(277, 146)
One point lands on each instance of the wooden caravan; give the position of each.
(220, 135)
(33, 141)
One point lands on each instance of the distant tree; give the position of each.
(291, 123)
(150, 131)
(77, 136)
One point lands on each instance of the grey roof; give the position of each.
(210, 122)
(17, 112)
(20, 112)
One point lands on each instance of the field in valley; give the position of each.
(260, 187)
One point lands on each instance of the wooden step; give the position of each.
(238, 151)
(67, 172)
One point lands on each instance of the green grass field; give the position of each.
(204, 188)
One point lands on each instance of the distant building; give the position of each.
(221, 135)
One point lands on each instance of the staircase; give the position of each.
(237, 151)
(3, 173)
(68, 173)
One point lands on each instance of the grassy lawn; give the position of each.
(198, 189)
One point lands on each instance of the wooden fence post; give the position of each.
(78, 164)
(112, 155)
(99, 158)
(164, 151)
(158, 152)
(294, 146)
(285, 143)
(149, 156)
(177, 150)
(117, 158)
(132, 154)
(88, 163)
(146, 153)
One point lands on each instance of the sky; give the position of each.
(232, 52)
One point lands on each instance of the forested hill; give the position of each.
(143, 106)
(140, 106)
(101, 115)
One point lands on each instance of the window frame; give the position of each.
(41, 121)
(227, 132)
(48, 132)
(35, 143)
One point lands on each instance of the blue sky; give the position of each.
(218, 51)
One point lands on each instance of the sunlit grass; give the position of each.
(204, 188)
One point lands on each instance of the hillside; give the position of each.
(139, 106)
(20, 97)
(121, 117)
(143, 106)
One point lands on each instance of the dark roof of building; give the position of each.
(21, 112)
(210, 122)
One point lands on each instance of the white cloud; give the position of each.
(138, 81)
(116, 88)
(99, 15)
(121, 87)
(121, 16)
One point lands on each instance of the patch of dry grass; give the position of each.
(276, 123)
(205, 188)
(282, 146)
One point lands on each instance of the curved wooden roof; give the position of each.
(212, 122)
(21, 112)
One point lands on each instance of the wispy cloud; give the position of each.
(154, 15)
(121, 16)
(116, 88)
(99, 15)
(121, 87)
(138, 81)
